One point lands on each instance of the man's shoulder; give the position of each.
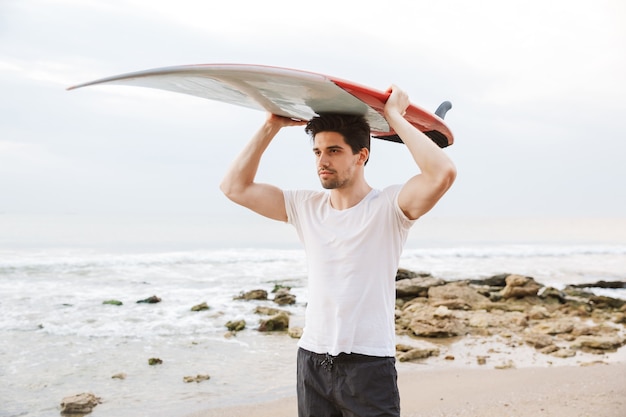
(305, 195)
(391, 191)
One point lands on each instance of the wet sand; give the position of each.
(597, 390)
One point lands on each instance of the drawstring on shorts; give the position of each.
(328, 362)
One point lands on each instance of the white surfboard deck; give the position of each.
(286, 92)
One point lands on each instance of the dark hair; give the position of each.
(353, 127)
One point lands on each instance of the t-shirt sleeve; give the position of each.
(289, 196)
(392, 192)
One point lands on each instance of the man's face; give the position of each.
(335, 161)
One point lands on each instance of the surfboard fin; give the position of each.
(443, 109)
(439, 138)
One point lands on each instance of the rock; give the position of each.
(550, 293)
(598, 344)
(284, 297)
(417, 286)
(236, 325)
(549, 349)
(120, 375)
(197, 378)
(80, 404)
(601, 301)
(150, 300)
(518, 286)
(423, 350)
(200, 307)
(295, 332)
(538, 340)
(552, 327)
(407, 274)
(494, 281)
(425, 324)
(564, 353)
(603, 284)
(538, 313)
(482, 360)
(252, 295)
(154, 361)
(572, 291)
(442, 312)
(556, 323)
(113, 302)
(279, 322)
(619, 318)
(268, 311)
(457, 296)
(593, 330)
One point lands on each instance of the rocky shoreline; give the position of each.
(430, 312)
(517, 308)
(558, 323)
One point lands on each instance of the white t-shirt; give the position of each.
(352, 258)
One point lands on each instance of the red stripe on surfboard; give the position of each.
(418, 117)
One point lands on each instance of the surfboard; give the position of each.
(286, 92)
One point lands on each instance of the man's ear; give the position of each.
(364, 155)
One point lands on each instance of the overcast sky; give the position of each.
(538, 89)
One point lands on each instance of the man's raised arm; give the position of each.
(239, 183)
(421, 192)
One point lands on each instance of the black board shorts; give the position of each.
(347, 385)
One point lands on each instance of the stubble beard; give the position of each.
(334, 183)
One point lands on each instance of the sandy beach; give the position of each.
(597, 390)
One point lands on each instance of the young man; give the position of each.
(353, 237)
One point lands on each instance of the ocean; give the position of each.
(57, 338)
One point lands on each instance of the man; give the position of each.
(353, 237)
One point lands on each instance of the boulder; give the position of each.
(457, 296)
(278, 322)
(268, 311)
(295, 332)
(79, 404)
(518, 286)
(498, 320)
(284, 297)
(550, 294)
(602, 301)
(236, 325)
(408, 353)
(598, 344)
(200, 307)
(252, 295)
(494, 281)
(417, 286)
(564, 353)
(430, 322)
(150, 300)
(553, 327)
(407, 274)
(602, 284)
(538, 340)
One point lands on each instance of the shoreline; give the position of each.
(597, 389)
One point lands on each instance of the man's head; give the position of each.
(341, 146)
(354, 129)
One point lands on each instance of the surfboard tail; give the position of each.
(439, 138)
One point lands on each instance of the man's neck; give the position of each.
(344, 198)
